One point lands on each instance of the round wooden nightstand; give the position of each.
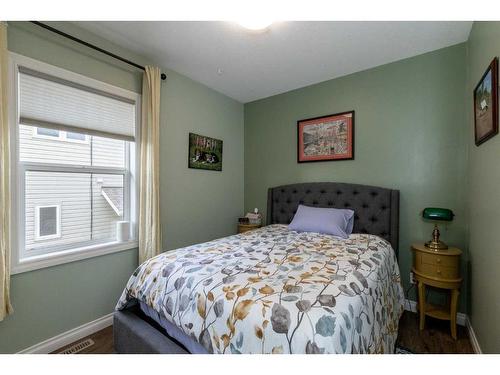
(242, 228)
(439, 269)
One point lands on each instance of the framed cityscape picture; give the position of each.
(486, 104)
(204, 152)
(326, 138)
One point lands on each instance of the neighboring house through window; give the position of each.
(74, 145)
(60, 135)
(47, 222)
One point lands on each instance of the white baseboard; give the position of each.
(70, 336)
(473, 338)
(412, 306)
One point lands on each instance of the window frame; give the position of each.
(40, 238)
(20, 260)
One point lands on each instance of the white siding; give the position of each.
(106, 152)
(69, 190)
(72, 192)
(103, 216)
(43, 150)
(81, 219)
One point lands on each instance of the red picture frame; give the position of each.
(326, 138)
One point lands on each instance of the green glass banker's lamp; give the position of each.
(437, 214)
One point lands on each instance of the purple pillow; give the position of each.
(334, 221)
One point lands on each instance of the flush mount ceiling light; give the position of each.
(255, 24)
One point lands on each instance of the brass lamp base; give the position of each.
(440, 245)
(435, 243)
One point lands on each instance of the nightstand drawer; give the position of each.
(439, 260)
(436, 271)
(242, 228)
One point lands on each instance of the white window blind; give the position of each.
(55, 103)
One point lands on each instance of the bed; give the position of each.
(274, 290)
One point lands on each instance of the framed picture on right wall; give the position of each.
(486, 104)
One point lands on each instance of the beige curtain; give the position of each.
(149, 189)
(5, 307)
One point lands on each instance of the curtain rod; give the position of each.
(75, 39)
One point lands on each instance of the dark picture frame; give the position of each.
(486, 104)
(326, 138)
(204, 152)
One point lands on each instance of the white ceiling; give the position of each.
(247, 65)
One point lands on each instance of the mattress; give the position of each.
(273, 290)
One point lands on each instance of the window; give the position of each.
(70, 136)
(75, 152)
(47, 222)
(49, 133)
(59, 135)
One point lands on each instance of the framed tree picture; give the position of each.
(204, 152)
(326, 138)
(486, 104)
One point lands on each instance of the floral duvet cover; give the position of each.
(273, 290)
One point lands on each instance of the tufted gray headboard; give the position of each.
(376, 209)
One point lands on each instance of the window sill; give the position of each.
(67, 256)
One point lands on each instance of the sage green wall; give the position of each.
(483, 198)
(199, 205)
(409, 135)
(196, 205)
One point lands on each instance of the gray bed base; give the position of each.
(376, 212)
(134, 333)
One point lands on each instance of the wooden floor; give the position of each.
(434, 339)
(103, 343)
